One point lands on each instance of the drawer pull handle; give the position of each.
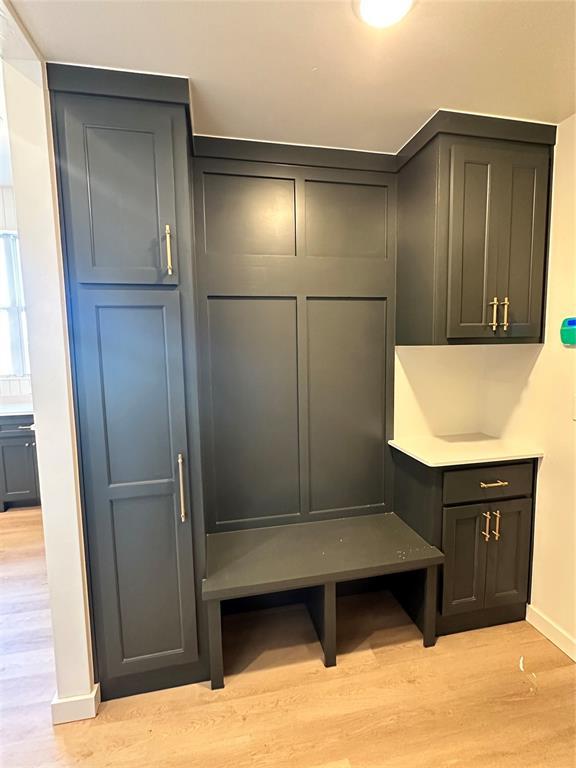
(181, 488)
(497, 484)
(169, 249)
(497, 531)
(506, 304)
(486, 531)
(28, 426)
(494, 305)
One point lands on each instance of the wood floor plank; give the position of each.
(502, 697)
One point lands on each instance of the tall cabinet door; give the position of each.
(473, 240)
(117, 158)
(522, 250)
(507, 567)
(133, 433)
(465, 547)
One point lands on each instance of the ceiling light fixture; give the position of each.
(382, 13)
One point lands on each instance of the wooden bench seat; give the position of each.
(316, 555)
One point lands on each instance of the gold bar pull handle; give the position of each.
(486, 531)
(506, 304)
(497, 484)
(497, 531)
(181, 484)
(494, 305)
(169, 249)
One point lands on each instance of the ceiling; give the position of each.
(312, 73)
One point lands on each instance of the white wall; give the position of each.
(547, 408)
(519, 392)
(32, 158)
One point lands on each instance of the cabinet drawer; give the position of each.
(481, 483)
(16, 426)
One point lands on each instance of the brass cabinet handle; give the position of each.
(497, 484)
(494, 305)
(486, 531)
(28, 426)
(506, 304)
(181, 482)
(497, 531)
(169, 249)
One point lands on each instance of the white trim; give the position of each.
(552, 631)
(76, 707)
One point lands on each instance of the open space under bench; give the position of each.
(316, 555)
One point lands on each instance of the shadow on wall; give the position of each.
(461, 390)
(507, 384)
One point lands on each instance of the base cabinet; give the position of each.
(481, 519)
(487, 550)
(18, 466)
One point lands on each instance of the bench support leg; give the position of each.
(430, 602)
(215, 643)
(322, 607)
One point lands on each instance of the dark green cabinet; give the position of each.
(487, 548)
(508, 553)
(18, 471)
(465, 564)
(480, 516)
(118, 190)
(123, 178)
(134, 439)
(473, 226)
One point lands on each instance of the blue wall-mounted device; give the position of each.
(568, 331)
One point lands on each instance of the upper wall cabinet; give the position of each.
(472, 242)
(118, 191)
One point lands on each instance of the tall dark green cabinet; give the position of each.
(125, 202)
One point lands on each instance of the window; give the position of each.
(13, 339)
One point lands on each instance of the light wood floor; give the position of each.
(492, 698)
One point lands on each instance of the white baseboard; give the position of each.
(552, 631)
(76, 707)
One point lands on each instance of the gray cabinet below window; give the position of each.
(18, 466)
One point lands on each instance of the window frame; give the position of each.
(15, 309)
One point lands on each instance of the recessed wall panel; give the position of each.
(474, 241)
(123, 198)
(249, 216)
(346, 372)
(148, 581)
(346, 219)
(254, 408)
(135, 389)
(522, 242)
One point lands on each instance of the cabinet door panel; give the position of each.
(522, 251)
(465, 565)
(131, 389)
(347, 411)
(472, 249)
(18, 480)
(254, 409)
(508, 557)
(117, 159)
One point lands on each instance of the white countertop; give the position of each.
(16, 409)
(476, 448)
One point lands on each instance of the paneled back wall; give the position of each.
(295, 273)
